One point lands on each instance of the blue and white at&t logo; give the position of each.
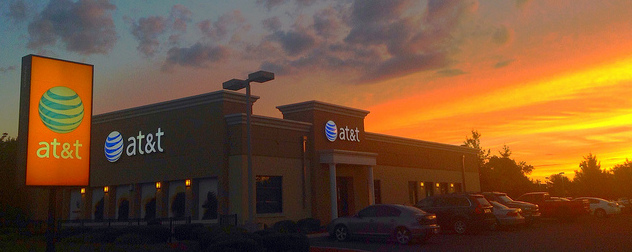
(332, 132)
(141, 144)
(114, 146)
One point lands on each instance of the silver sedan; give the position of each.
(403, 223)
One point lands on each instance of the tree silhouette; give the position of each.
(98, 209)
(123, 211)
(591, 180)
(622, 175)
(210, 206)
(178, 205)
(150, 209)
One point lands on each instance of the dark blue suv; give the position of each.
(461, 212)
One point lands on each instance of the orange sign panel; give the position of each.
(59, 121)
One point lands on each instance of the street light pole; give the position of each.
(236, 84)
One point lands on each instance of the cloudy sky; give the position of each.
(550, 79)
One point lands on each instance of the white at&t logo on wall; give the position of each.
(141, 144)
(332, 132)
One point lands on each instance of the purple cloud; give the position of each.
(229, 23)
(85, 27)
(17, 11)
(198, 55)
(146, 31)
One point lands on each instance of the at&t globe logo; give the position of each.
(61, 109)
(140, 144)
(113, 146)
(331, 131)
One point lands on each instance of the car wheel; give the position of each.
(402, 235)
(341, 233)
(460, 226)
(600, 213)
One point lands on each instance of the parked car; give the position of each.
(625, 204)
(531, 212)
(507, 216)
(600, 207)
(404, 223)
(461, 212)
(557, 208)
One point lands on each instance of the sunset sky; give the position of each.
(550, 79)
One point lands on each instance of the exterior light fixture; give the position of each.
(234, 85)
(106, 189)
(437, 184)
(83, 190)
(452, 185)
(187, 183)
(158, 185)
(421, 184)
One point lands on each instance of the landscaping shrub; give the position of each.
(137, 239)
(286, 226)
(235, 244)
(187, 231)
(72, 231)
(308, 225)
(282, 242)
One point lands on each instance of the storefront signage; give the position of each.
(140, 144)
(55, 117)
(332, 132)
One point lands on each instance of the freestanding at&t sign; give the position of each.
(55, 121)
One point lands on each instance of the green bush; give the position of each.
(285, 226)
(308, 225)
(137, 239)
(72, 231)
(235, 244)
(188, 231)
(282, 242)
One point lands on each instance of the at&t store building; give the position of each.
(187, 159)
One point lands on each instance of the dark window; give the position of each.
(269, 194)
(457, 187)
(377, 192)
(368, 212)
(427, 202)
(412, 192)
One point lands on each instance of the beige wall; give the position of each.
(292, 191)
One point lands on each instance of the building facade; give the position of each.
(187, 158)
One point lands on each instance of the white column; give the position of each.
(332, 191)
(371, 185)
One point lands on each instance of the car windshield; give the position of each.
(498, 205)
(504, 198)
(482, 200)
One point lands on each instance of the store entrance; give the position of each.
(344, 191)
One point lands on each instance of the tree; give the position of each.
(500, 173)
(559, 185)
(621, 177)
(591, 180)
(475, 143)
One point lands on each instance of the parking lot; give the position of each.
(586, 234)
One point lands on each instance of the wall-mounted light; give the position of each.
(437, 184)
(83, 190)
(187, 183)
(106, 189)
(421, 184)
(158, 185)
(451, 184)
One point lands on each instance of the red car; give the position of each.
(556, 208)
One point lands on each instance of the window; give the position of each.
(368, 212)
(412, 192)
(377, 192)
(386, 211)
(269, 194)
